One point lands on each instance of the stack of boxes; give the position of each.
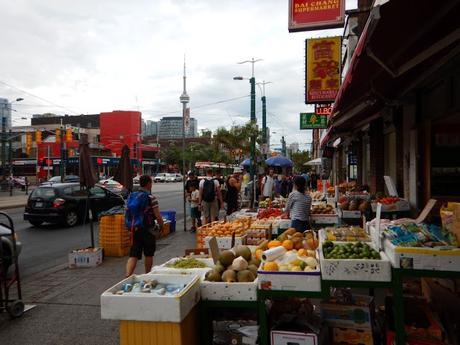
(113, 235)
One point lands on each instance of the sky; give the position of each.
(87, 57)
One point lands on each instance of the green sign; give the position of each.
(312, 120)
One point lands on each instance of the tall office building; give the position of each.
(5, 111)
(151, 128)
(171, 128)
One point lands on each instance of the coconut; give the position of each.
(253, 269)
(229, 276)
(254, 261)
(245, 276)
(213, 276)
(226, 258)
(239, 264)
(243, 251)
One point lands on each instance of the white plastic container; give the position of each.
(151, 306)
(220, 291)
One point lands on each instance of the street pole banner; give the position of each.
(322, 80)
(312, 121)
(187, 119)
(307, 15)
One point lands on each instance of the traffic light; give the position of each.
(68, 135)
(58, 136)
(28, 143)
(38, 136)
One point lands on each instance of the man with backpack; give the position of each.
(141, 213)
(209, 194)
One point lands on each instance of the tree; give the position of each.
(299, 159)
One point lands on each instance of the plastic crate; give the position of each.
(169, 215)
(116, 251)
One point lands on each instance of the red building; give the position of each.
(119, 128)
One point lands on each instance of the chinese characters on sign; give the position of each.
(311, 121)
(315, 14)
(323, 69)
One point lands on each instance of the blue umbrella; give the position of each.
(247, 162)
(279, 161)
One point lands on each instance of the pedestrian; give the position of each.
(306, 176)
(194, 201)
(284, 187)
(192, 180)
(268, 185)
(278, 182)
(143, 240)
(209, 195)
(298, 206)
(233, 191)
(313, 181)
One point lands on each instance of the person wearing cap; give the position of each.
(192, 180)
(233, 191)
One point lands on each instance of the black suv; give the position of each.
(66, 203)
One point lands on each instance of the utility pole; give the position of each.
(184, 99)
(10, 154)
(264, 116)
(62, 163)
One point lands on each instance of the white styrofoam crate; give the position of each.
(151, 306)
(422, 258)
(225, 242)
(324, 218)
(284, 224)
(220, 291)
(85, 259)
(349, 214)
(355, 269)
(401, 205)
(164, 269)
(289, 281)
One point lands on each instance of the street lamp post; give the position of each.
(4, 135)
(264, 115)
(252, 81)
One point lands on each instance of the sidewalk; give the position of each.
(68, 300)
(18, 199)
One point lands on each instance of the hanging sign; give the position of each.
(323, 109)
(312, 121)
(322, 81)
(307, 15)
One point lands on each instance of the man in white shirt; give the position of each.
(209, 194)
(268, 185)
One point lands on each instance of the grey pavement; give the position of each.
(68, 300)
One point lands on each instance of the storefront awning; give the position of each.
(402, 43)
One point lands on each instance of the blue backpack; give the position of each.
(136, 207)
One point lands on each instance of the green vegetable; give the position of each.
(188, 263)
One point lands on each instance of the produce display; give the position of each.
(388, 200)
(420, 235)
(150, 286)
(357, 250)
(234, 266)
(259, 231)
(187, 263)
(269, 212)
(222, 229)
(323, 209)
(352, 233)
(353, 204)
(277, 202)
(317, 196)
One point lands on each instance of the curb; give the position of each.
(7, 207)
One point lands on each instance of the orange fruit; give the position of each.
(259, 253)
(270, 266)
(312, 243)
(302, 252)
(274, 243)
(288, 244)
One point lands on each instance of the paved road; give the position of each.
(48, 246)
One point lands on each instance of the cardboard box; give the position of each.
(355, 269)
(89, 257)
(289, 281)
(151, 306)
(293, 338)
(324, 218)
(220, 291)
(352, 336)
(357, 316)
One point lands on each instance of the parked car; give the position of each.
(174, 178)
(57, 179)
(66, 203)
(111, 185)
(160, 177)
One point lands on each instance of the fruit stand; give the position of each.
(282, 264)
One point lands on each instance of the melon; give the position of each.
(226, 258)
(243, 251)
(245, 276)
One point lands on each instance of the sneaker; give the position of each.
(193, 229)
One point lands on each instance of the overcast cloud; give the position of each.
(91, 56)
